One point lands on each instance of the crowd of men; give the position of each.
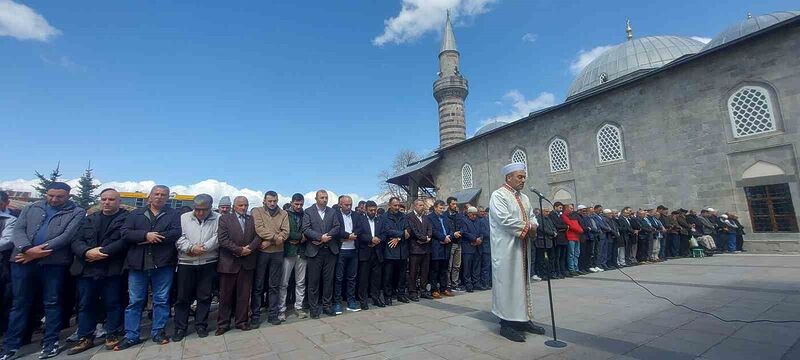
(111, 264)
(586, 240)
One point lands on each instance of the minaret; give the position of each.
(450, 90)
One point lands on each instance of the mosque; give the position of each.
(654, 120)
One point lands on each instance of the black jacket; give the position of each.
(545, 233)
(365, 251)
(440, 251)
(393, 226)
(561, 228)
(138, 224)
(110, 242)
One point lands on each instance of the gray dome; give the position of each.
(489, 127)
(636, 54)
(749, 26)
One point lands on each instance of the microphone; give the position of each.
(535, 191)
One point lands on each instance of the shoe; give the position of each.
(470, 290)
(593, 269)
(353, 306)
(282, 316)
(581, 272)
(202, 332)
(255, 323)
(221, 331)
(178, 335)
(402, 299)
(127, 343)
(112, 340)
(377, 302)
(425, 295)
(364, 306)
(532, 328)
(73, 338)
(314, 315)
(536, 278)
(9, 355)
(51, 351)
(387, 300)
(459, 289)
(414, 298)
(245, 327)
(511, 334)
(275, 321)
(161, 338)
(448, 293)
(574, 273)
(569, 274)
(85, 343)
(301, 313)
(337, 309)
(331, 312)
(436, 295)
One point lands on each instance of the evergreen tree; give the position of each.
(86, 187)
(44, 182)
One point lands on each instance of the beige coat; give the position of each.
(272, 230)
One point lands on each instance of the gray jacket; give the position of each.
(6, 228)
(60, 231)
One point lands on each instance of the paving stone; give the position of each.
(735, 349)
(767, 333)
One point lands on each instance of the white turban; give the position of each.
(508, 169)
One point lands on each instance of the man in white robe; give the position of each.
(511, 222)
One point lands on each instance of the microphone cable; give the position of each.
(705, 312)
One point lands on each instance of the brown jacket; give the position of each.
(420, 232)
(273, 230)
(231, 242)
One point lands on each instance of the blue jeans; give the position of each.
(25, 279)
(89, 289)
(346, 271)
(674, 245)
(731, 242)
(160, 280)
(662, 251)
(573, 254)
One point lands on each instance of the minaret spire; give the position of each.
(749, 15)
(628, 29)
(448, 39)
(450, 89)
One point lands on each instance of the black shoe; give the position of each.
(377, 302)
(161, 338)
(364, 306)
(414, 298)
(9, 355)
(512, 334)
(573, 273)
(314, 315)
(329, 312)
(388, 301)
(581, 272)
(532, 328)
(568, 275)
(255, 323)
(127, 343)
(402, 299)
(426, 295)
(275, 321)
(201, 332)
(469, 290)
(179, 335)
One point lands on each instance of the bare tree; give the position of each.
(401, 160)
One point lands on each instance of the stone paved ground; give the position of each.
(601, 316)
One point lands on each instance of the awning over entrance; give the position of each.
(415, 174)
(467, 196)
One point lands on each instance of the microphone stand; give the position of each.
(555, 343)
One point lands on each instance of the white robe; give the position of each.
(510, 222)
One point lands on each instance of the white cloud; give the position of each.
(585, 57)
(23, 23)
(217, 189)
(521, 107)
(418, 17)
(63, 61)
(529, 37)
(701, 39)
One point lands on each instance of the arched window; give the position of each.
(559, 155)
(751, 111)
(519, 157)
(609, 144)
(466, 177)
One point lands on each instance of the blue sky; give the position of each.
(290, 96)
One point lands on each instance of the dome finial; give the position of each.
(628, 29)
(749, 15)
